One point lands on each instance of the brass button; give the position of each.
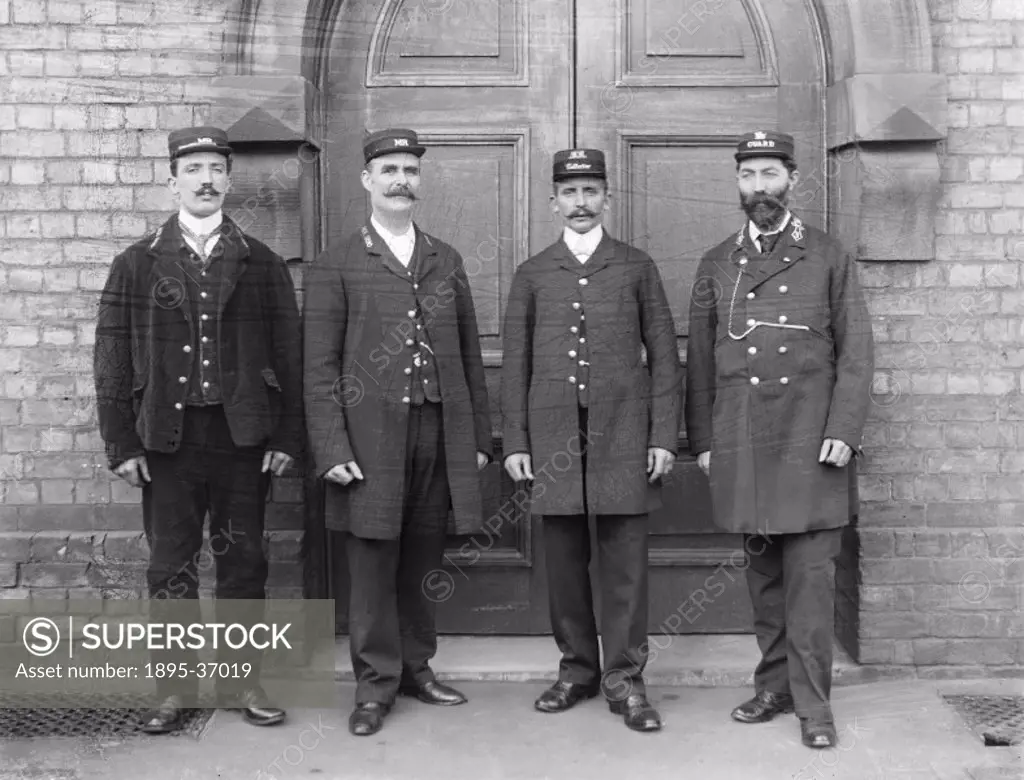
(179, 407)
(784, 380)
(572, 353)
(415, 287)
(583, 340)
(583, 282)
(411, 312)
(205, 317)
(786, 260)
(576, 305)
(205, 339)
(206, 362)
(574, 329)
(572, 379)
(783, 289)
(752, 350)
(750, 296)
(202, 295)
(408, 370)
(783, 350)
(754, 380)
(182, 379)
(743, 261)
(782, 319)
(186, 348)
(206, 385)
(583, 362)
(405, 400)
(750, 322)
(583, 387)
(409, 342)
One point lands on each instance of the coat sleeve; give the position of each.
(659, 335)
(286, 343)
(327, 395)
(700, 358)
(516, 359)
(854, 353)
(113, 370)
(472, 360)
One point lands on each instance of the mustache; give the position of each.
(582, 213)
(207, 189)
(400, 192)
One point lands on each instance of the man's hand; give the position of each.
(481, 460)
(835, 453)
(519, 466)
(704, 461)
(134, 470)
(659, 462)
(277, 462)
(344, 473)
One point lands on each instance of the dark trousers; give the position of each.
(392, 636)
(208, 474)
(792, 586)
(622, 562)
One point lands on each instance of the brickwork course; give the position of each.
(941, 526)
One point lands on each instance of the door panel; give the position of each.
(668, 111)
(487, 87)
(494, 88)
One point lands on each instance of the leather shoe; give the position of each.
(763, 707)
(165, 718)
(564, 695)
(637, 712)
(434, 692)
(256, 709)
(367, 718)
(817, 734)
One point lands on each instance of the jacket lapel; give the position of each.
(789, 250)
(235, 259)
(602, 255)
(424, 255)
(171, 288)
(375, 245)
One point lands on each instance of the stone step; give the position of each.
(701, 660)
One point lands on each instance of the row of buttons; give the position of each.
(782, 289)
(743, 260)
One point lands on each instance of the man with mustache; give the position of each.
(399, 425)
(199, 397)
(595, 429)
(780, 360)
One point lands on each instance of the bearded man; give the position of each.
(779, 366)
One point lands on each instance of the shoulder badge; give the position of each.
(739, 236)
(798, 229)
(156, 238)
(366, 237)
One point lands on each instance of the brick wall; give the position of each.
(942, 517)
(88, 91)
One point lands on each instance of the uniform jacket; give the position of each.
(763, 404)
(360, 307)
(145, 347)
(632, 406)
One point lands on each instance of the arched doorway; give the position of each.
(495, 87)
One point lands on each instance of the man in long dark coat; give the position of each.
(199, 397)
(399, 423)
(595, 429)
(779, 367)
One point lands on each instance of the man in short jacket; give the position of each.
(199, 396)
(779, 368)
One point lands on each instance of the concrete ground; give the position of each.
(888, 730)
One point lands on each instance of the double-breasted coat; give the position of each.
(145, 355)
(631, 406)
(764, 398)
(359, 309)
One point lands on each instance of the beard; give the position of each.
(765, 209)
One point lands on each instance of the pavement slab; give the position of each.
(888, 731)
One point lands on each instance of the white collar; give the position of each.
(583, 243)
(387, 235)
(201, 226)
(755, 231)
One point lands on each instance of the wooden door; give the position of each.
(494, 88)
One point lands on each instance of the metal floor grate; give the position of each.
(111, 717)
(998, 720)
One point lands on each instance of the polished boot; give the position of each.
(763, 707)
(434, 692)
(818, 733)
(165, 718)
(564, 695)
(256, 709)
(637, 712)
(367, 718)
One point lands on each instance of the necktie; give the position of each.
(200, 242)
(768, 242)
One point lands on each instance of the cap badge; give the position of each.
(759, 136)
(401, 142)
(578, 154)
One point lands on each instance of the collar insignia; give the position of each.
(366, 237)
